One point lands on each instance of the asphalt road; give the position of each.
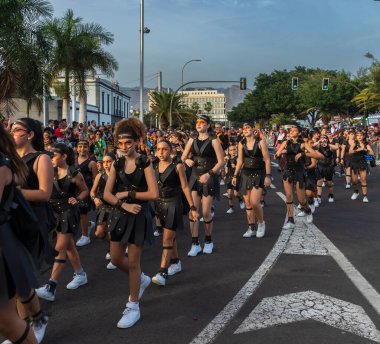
(276, 310)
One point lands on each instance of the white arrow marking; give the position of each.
(274, 164)
(290, 308)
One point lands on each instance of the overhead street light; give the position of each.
(196, 60)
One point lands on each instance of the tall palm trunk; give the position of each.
(83, 108)
(66, 98)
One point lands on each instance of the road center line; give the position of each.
(217, 325)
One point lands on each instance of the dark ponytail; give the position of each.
(33, 125)
(61, 148)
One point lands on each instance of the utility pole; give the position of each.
(159, 81)
(141, 59)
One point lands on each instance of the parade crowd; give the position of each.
(128, 184)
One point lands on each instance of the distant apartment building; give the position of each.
(106, 104)
(202, 96)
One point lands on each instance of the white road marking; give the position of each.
(272, 186)
(290, 308)
(352, 273)
(281, 195)
(217, 325)
(274, 164)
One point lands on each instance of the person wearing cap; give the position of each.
(207, 160)
(253, 158)
(88, 168)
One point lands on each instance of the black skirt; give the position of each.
(130, 228)
(325, 172)
(16, 267)
(211, 188)
(311, 179)
(47, 224)
(294, 176)
(360, 164)
(250, 180)
(170, 212)
(67, 219)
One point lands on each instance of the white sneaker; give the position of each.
(316, 203)
(348, 186)
(78, 280)
(323, 184)
(131, 315)
(309, 218)
(208, 247)
(39, 327)
(45, 293)
(225, 194)
(195, 249)
(126, 252)
(110, 266)
(299, 206)
(91, 228)
(157, 233)
(289, 225)
(159, 279)
(331, 199)
(242, 205)
(301, 214)
(260, 230)
(230, 211)
(175, 268)
(354, 196)
(212, 213)
(84, 240)
(249, 233)
(222, 182)
(145, 281)
(319, 199)
(365, 199)
(108, 256)
(201, 219)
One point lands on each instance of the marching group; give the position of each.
(138, 181)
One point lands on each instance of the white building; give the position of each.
(202, 96)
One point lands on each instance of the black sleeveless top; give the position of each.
(203, 154)
(169, 184)
(134, 181)
(101, 185)
(32, 179)
(85, 170)
(253, 159)
(63, 188)
(230, 169)
(4, 161)
(328, 156)
(292, 149)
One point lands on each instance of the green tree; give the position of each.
(195, 107)
(161, 108)
(208, 107)
(77, 51)
(23, 51)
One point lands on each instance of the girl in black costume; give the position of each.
(207, 160)
(16, 268)
(28, 137)
(103, 208)
(66, 185)
(325, 166)
(359, 165)
(294, 174)
(130, 186)
(171, 180)
(345, 157)
(253, 157)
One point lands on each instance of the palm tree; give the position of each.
(208, 107)
(23, 51)
(161, 108)
(195, 107)
(78, 50)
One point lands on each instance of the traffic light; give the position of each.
(325, 84)
(294, 84)
(243, 84)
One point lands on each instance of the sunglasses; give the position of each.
(18, 130)
(201, 122)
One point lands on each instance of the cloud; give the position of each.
(265, 3)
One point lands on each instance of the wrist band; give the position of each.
(93, 197)
(211, 173)
(119, 204)
(193, 207)
(268, 175)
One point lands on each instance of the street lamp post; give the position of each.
(196, 60)
(143, 30)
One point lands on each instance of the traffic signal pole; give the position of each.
(197, 82)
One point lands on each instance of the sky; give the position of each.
(233, 38)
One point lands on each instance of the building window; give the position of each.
(108, 104)
(124, 109)
(102, 102)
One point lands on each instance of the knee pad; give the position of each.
(24, 335)
(59, 261)
(24, 302)
(207, 222)
(167, 247)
